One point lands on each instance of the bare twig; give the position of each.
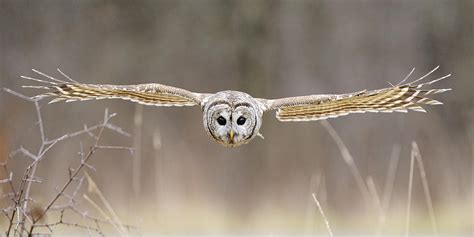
(19, 214)
(77, 169)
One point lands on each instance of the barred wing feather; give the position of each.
(399, 98)
(148, 94)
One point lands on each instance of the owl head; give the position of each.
(232, 118)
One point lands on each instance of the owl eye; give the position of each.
(221, 121)
(241, 120)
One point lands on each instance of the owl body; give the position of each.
(233, 118)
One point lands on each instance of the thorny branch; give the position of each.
(23, 219)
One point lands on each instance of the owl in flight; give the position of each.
(234, 118)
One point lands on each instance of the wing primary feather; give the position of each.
(47, 76)
(427, 74)
(150, 94)
(66, 76)
(400, 98)
(38, 80)
(406, 77)
(37, 87)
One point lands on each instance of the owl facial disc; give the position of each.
(232, 118)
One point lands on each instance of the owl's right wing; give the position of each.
(148, 94)
(397, 98)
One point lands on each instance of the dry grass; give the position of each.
(326, 222)
(368, 188)
(424, 181)
(410, 188)
(137, 156)
(349, 160)
(115, 220)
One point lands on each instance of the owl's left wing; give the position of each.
(148, 94)
(397, 98)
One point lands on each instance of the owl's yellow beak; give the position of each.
(231, 135)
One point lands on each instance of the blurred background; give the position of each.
(180, 181)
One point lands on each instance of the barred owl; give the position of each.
(233, 118)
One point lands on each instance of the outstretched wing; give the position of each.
(398, 98)
(148, 94)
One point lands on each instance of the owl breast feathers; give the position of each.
(233, 118)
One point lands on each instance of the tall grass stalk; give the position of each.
(137, 142)
(388, 186)
(375, 197)
(410, 187)
(328, 227)
(426, 189)
(349, 160)
(92, 188)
